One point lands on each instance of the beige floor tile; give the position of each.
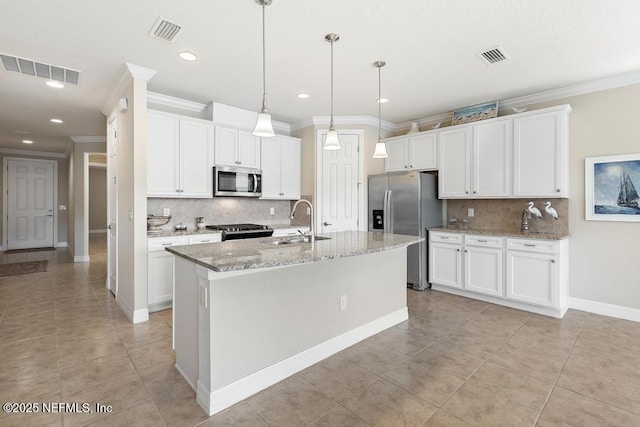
(179, 407)
(475, 340)
(498, 396)
(385, 404)
(142, 415)
(291, 402)
(19, 333)
(339, 417)
(155, 353)
(429, 382)
(76, 351)
(161, 378)
(338, 378)
(34, 365)
(32, 420)
(450, 359)
(44, 388)
(612, 377)
(568, 408)
(26, 347)
(408, 341)
(94, 372)
(119, 392)
(444, 419)
(239, 415)
(373, 356)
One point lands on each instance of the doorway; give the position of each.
(340, 201)
(30, 186)
(112, 204)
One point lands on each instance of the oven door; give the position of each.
(237, 182)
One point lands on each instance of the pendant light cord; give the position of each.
(264, 68)
(379, 107)
(331, 124)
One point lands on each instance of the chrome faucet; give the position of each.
(311, 235)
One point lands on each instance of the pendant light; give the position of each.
(264, 128)
(331, 142)
(381, 148)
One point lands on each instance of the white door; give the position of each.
(454, 178)
(248, 150)
(30, 204)
(340, 198)
(483, 270)
(196, 159)
(492, 159)
(398, 155)
(445, 266)
(423, 151)
(112, 206)
(532, 278)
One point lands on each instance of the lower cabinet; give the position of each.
(293, 231)
(160, 267)
(528, 274)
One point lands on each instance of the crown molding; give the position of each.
(281, 128)
(308, 122)
(34, 153)
(87, 139)
(171, 101)
(573, 90)
(427, 122)
(138, 72)
(346, 120)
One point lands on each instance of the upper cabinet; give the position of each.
(541, 154)
(237, 148)
(179, 156)
(522, 155)
(281, 168)
(412, 152)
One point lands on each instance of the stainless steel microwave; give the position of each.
(229, 181)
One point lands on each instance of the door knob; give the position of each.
(325, 223)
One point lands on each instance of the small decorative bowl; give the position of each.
(156, 221)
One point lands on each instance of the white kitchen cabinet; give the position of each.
(528, 274)
(281, 168)
(541, 153)
(179, 156)
(204, 238)
(415, 152)
(491, 154)
(535, 269)
(445, 259)
(235, 147)
(160, 271)
(454, 175)
(483, 265)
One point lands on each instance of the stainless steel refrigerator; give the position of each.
(406, 203)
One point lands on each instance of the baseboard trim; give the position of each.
(62, 245)
(135, 316)
(605, 309)
(141, 315)
(97, 231)
(222, 398)
(81, 258)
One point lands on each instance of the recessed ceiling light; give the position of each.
(382, 100)
(188, 56)
(56, 121)
(27, 141)
(303, 95)
(55, 84)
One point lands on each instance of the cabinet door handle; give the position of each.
(405, 166)
(205, 241)
(553, 261)
(557, 190)
(466, 251)
(444, 237)
(466, 192)
(410, 166)
(167, 244)
(326, 224)
(530, 245)
(482, 241)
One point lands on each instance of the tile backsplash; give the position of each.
(506, 214)
(221, 210)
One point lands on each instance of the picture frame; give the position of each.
(474, 113)
(612, 184)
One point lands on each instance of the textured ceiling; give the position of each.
(430, 47)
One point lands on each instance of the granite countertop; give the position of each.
(174, 233)
(234, 255)
(502, 233)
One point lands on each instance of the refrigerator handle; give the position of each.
(389, 213)
(385, 212)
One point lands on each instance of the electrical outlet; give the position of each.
(272, 211)
(308, 211)
(343, 303)
(471, 212)
(166, 212)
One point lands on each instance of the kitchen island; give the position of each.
(249, 313)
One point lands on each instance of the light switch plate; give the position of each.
(166, 212)
(471, 212)
(272, 211)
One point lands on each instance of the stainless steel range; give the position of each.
(242, 231)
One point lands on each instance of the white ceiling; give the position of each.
(430, 47)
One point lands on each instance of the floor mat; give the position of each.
(20, 251)
(16, 268)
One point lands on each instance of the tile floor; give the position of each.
(455, 362)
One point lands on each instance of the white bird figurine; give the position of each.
(548, 209)
(533, 210)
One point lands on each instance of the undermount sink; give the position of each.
(291, 240)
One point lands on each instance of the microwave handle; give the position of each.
(254, 178)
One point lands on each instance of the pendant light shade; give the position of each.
(332, 142)
(264, 128)
(381, 147)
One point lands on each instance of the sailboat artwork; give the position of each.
(615, 188)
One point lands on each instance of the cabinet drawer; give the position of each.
(205, 238)
(446, 237)
(159, 243)
(484, 241)
(530, 245)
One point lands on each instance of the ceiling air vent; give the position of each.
(165, 30)
(39, 69)
(493, 56)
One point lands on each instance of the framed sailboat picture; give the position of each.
(612, 184)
